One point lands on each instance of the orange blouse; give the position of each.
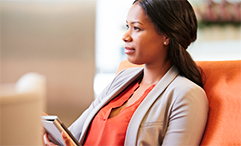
(112, 131)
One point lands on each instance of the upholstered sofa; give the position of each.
(21, 105)
(222, 83)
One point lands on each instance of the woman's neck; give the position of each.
(153, 73)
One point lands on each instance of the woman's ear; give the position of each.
(166, 40)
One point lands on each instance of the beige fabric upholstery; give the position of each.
(21, 105)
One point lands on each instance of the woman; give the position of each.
(160, 104)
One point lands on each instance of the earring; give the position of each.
(165, 43)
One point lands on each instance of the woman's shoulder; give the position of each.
(128, 73)
(184, 88)
(183, 83)
(122, 77)
(130, 70)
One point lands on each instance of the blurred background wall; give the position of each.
(55, 38)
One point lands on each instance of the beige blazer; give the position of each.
(173, 113)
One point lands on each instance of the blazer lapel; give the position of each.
(131, 134)
(105, 101)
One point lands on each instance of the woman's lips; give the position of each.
(129, 50)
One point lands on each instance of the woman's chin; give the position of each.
(134, 61)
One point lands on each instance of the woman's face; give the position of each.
(143, 44)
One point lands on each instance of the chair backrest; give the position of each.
(222, 84)
(21, 105)
(223, 89)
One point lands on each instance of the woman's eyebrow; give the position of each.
(133, 22)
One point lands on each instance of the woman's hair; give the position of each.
(177, 20)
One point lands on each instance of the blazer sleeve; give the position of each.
(187, 118)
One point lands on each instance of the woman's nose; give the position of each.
(126, 37)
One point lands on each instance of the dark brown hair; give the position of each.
(177, 20)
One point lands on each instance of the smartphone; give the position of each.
(54, 127)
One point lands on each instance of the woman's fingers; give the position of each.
(44, 114)
(47, 142)
(66, 139)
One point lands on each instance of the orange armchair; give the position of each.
(222, 83)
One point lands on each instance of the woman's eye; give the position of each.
(136, 28)
(127, 26)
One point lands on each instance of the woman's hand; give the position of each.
(44, 114)
(46, 140)
(66, 138)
